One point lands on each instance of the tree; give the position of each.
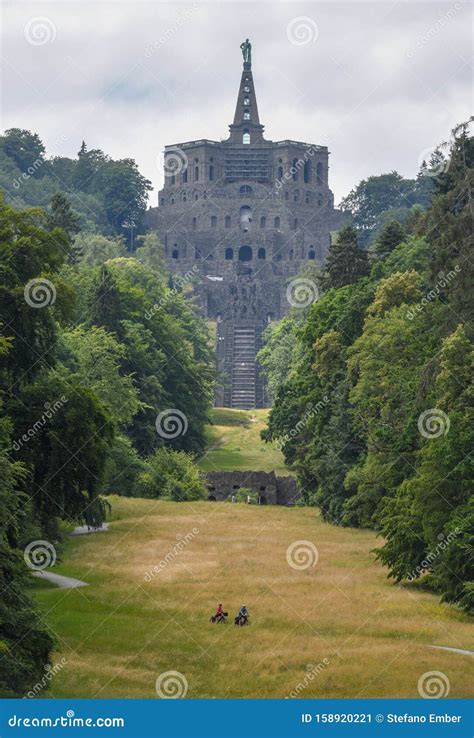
(346, 262)
(26, 149)
(391, 235)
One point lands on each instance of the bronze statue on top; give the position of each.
(246, 48)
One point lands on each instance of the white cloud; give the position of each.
(381, 82)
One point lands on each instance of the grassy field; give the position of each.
(340, 621)
(234, 443)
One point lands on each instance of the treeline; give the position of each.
(107, 377)
(373, 386)
(109, 196)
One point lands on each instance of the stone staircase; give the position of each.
(243, 371)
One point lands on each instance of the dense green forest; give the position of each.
(372, 385)
(107, 373)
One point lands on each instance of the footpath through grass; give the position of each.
(234, 443)
(339, 628)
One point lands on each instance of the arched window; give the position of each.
(229, 254)
(294, 168)
(320, 200)
(245, 216)
(261, 254)
(307, 198)
(173, 179)
(196, 196)
(280, 172)
(196, 174)
(291, 255)
(194, 224)
(172, 201)
(307, 171)
(211, 173)
(246, 191)
(183, 197)
(277, 222)
(175, 253)
(213, 221)
(245, 253)
(227, 221)
(319, 173)
(246, 115)
(184, 176)
(246, 88)
(295, 224)
(246, 101)
(162, 201)
(287, 195)
(263, 222)
(311, 254)
(296, 195)
(246, 137)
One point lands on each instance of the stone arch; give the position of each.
(229, 254)
(277, 222)
(262, 254)
(311, 253)
(246, 191)
(263, 222)
(227, 221)
(245, 253)
(246, 136)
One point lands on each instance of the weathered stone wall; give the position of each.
(272, 490)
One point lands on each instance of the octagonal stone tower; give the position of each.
(243, 216)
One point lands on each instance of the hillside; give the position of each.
(341, 621)
(234, 443)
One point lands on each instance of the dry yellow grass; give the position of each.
(120, 633)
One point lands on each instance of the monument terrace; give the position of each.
(244, 215)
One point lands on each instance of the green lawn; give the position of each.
(234, 443)
(369, 637)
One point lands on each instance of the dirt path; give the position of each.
(59, 580)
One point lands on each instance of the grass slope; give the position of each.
(121, 632)
(234, 443)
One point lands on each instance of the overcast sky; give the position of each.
(380, 83)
